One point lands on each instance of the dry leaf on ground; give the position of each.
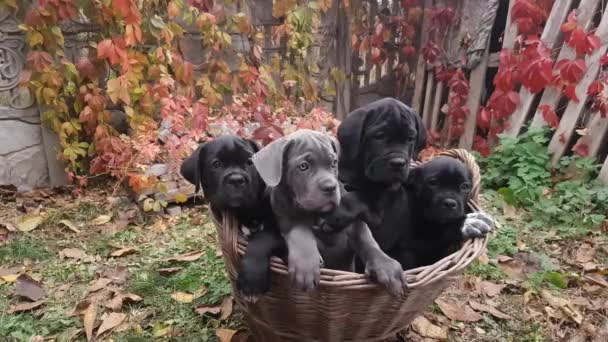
(225, 335)
(25, 306)
(70, 225)
(226, 308)
(119, 299)
(110, 322)
(99, 284)
(206, 309)
(562, 304)
(187, 256)
(457, 311)
(489, 309)
(88, 320)
(124, 251)
(73, 253)
(491, 289)
(11, 274)
(101, 219)
(425, 328)
(584, 253)
(183, 297)
(26, 286)
(29, 222)
(118, 275)
(169, 270)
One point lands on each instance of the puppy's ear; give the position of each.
(191, 168)
(269, 161)
(254, 145)
(414, 178)
(350, 133)
(421, 137)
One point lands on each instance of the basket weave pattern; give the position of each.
(346, 306)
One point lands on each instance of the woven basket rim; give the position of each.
(234, 245)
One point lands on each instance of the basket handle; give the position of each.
(228, 228)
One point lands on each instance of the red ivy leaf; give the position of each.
(604, 60)
(86, 69)
(581, 149)
(484, 118)
(408, 51)
(39, 60)
(562, 138)
(503, 103)
(537, 69)
(571, 71)
(114, 50)
(431, 52)
(481, 145)
(595, 88)
(571, 24)
(549, 116)
(570, 91)
(582, 42)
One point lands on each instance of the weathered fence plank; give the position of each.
(421, 64)
(552, 95)
(477, 83)
(510, 29)
(432, 126)
(551, 32)
(597, 129)
(604, 172)
(428, 97)
(563, 134)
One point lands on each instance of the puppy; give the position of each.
(224, 170)
(301, 170)
(378, 143)
(438, 192)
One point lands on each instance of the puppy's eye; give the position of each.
(304, 166)
(249, 162)
(334, 163)
(464, 187)
(433, 183)
(216, 164)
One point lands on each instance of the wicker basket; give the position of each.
(346, 306)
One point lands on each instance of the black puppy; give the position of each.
(438, 192)
(224, 170)
(378, 142)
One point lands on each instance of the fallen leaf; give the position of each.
(119, 299)
(425, 328)
(124, 251)
(119, 274)
(10, 278)
(73, 253)
(11, 274)
(489, 309)
(25, 306)
(457, 311)
(70, 225)
(226, 308)
(480, 331)
(88, 320)
(206, 309)
(503, 258)
(187, 257)
(491, 289)
(584, 253)
(26, 286)
(110, 322)
(513, 268)
(100, 284)
(160, 330)
(29, 222)
(509, 211)
(562, 304)
(101, 219)
(225, 335)
(169, 270)
(183, 297)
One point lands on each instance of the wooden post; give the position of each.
(432, 125)
(428, 97)
(510, 29)
(477, 84)
(568, 121)
(604, 173)
(421, 64)
(551, 95)
(559, 12)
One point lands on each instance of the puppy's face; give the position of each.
(305, 165)
(378, 141)
(224, 169)
(387, 148)
(442, 187)
(311, 173)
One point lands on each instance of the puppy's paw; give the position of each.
(304, 274)
(253, 280)
(387, 272)
(477, 225)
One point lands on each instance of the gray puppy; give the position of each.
(301, 170)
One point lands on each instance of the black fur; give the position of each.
(223, 168)
(437, 196)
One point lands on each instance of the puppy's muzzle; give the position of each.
(397, 164)
(449, 204)
(328, 186)
(236, 180)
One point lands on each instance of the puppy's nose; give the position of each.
(236, 180)
(397, 163)
(449, 203)
(328, 186)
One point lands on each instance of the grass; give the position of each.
(25, 247)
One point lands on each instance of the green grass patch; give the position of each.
(24, 247)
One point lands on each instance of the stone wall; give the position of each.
(23, 160)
